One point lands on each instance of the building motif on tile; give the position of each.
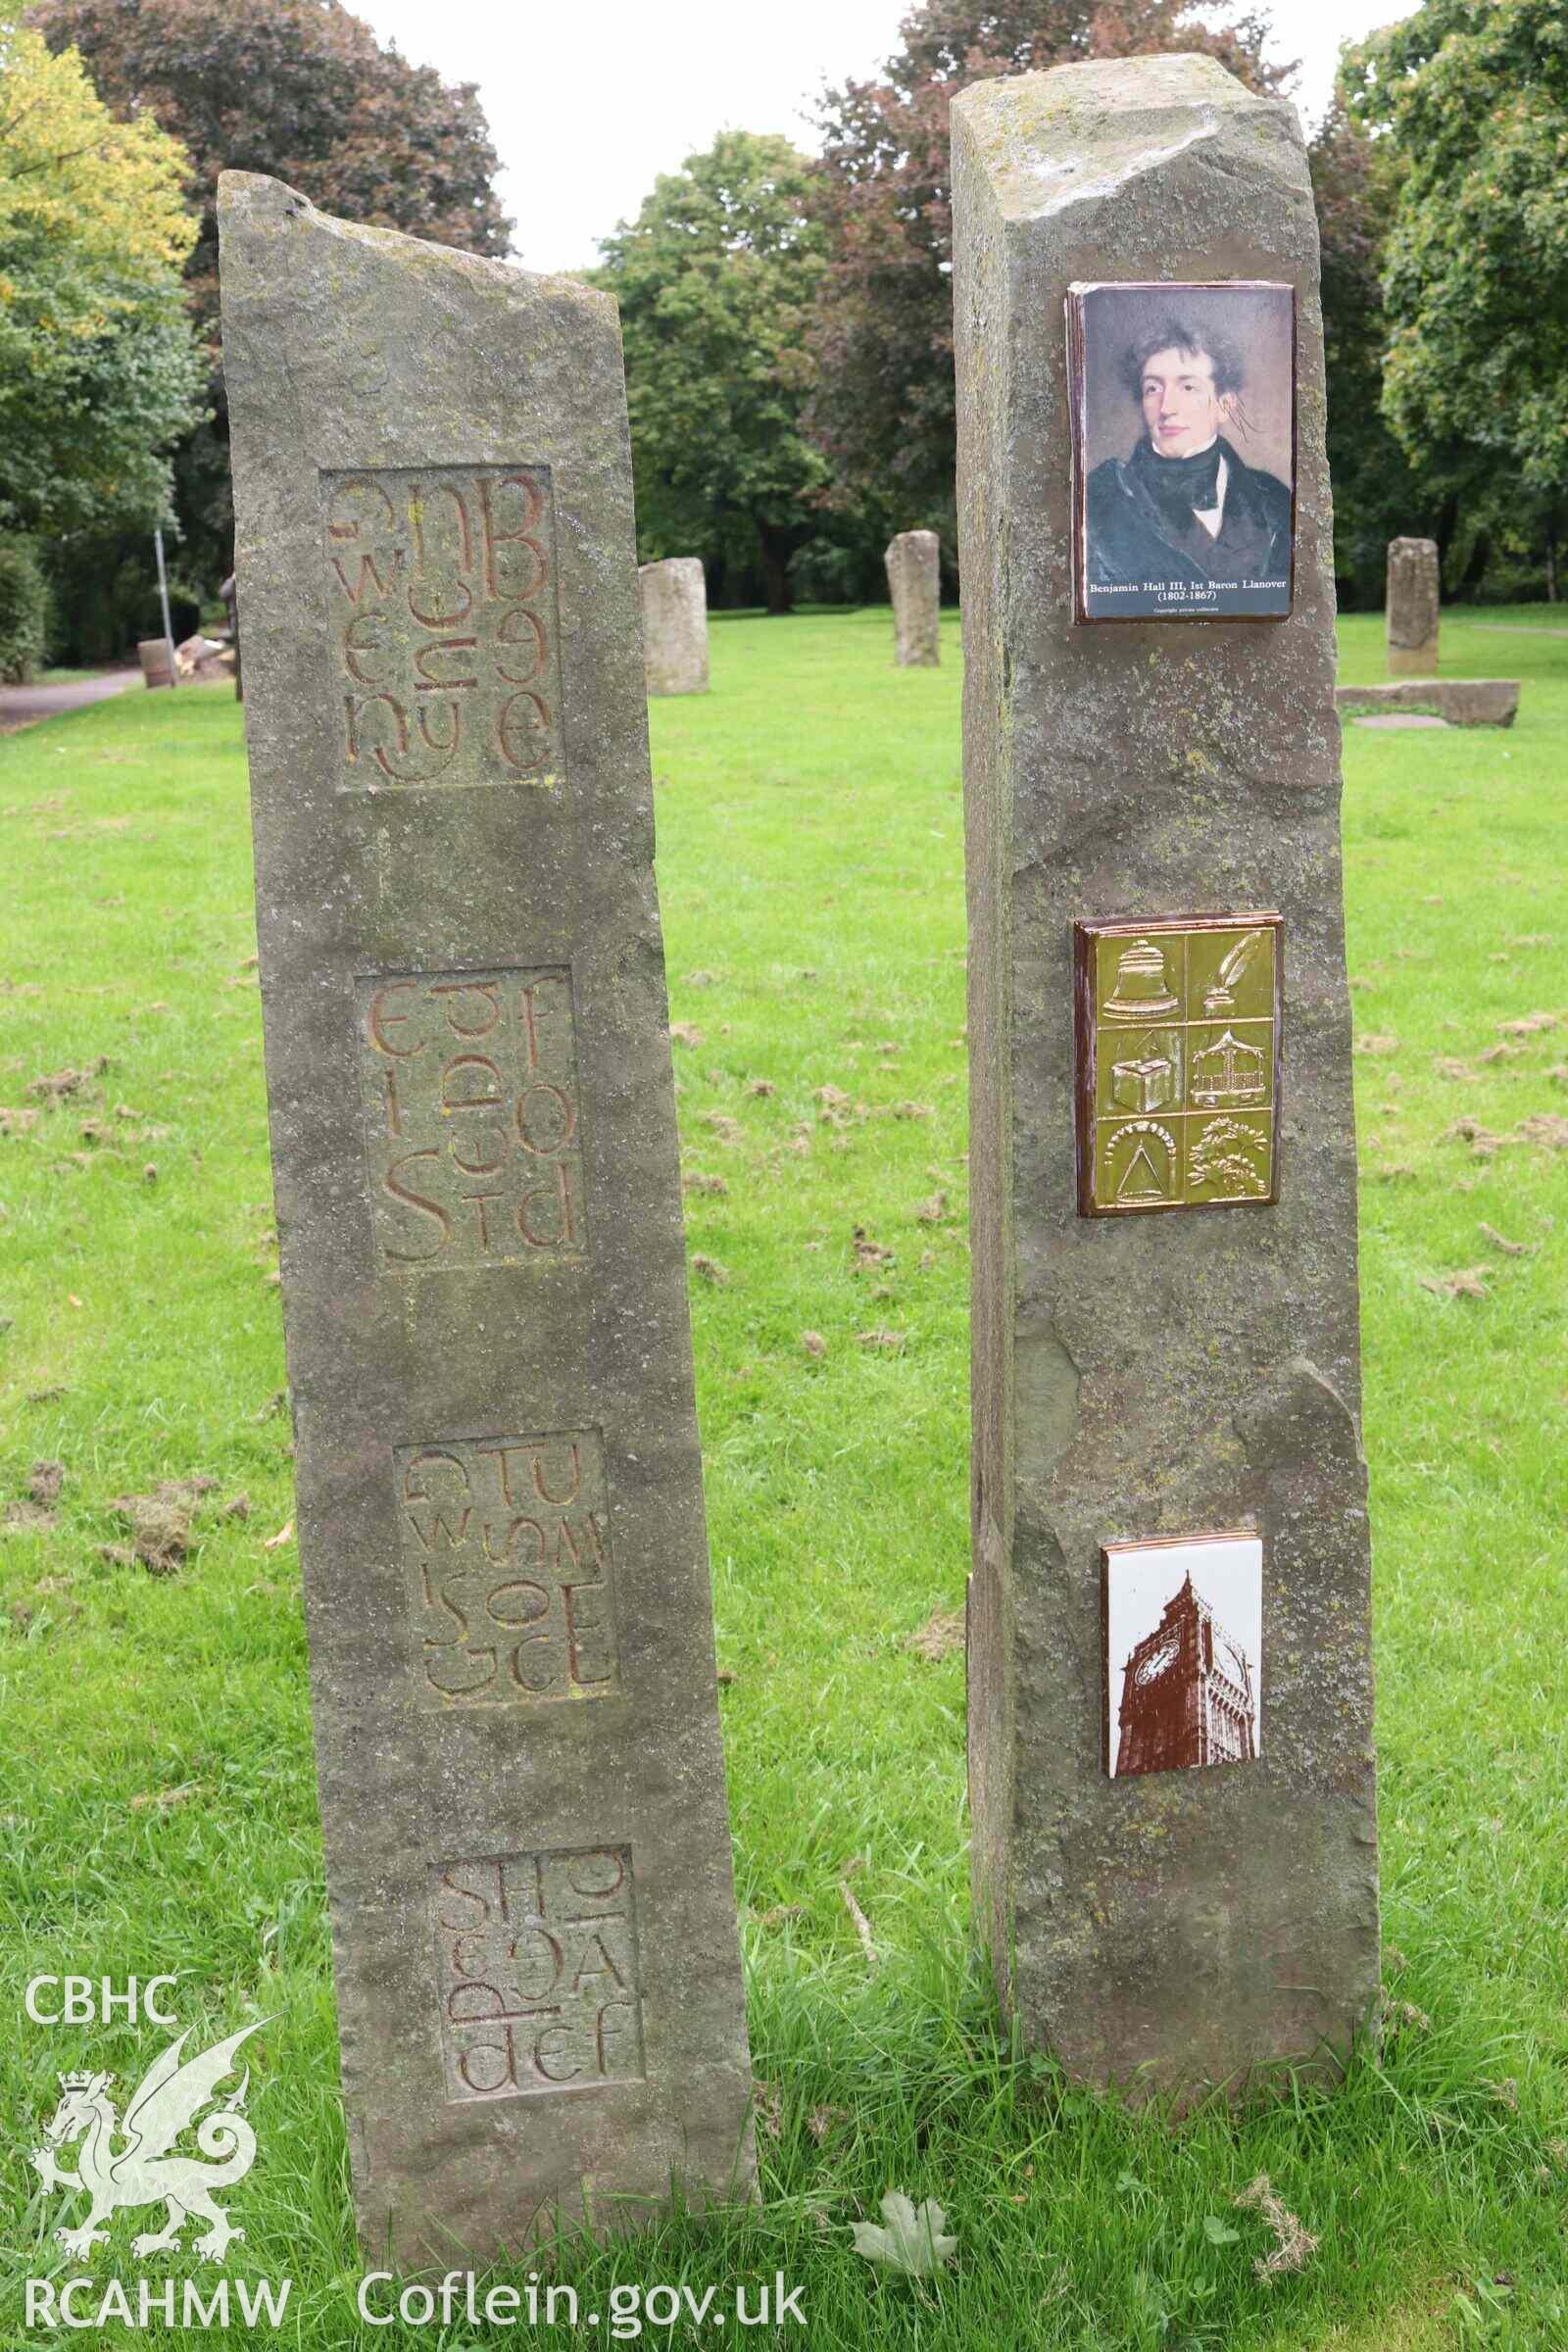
(1184, 1629)
(1178, 1040)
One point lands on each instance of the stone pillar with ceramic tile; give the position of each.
(1170, 1687)
(474, 1157)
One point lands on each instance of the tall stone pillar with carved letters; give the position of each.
(474, 1156)
(1170, 1688)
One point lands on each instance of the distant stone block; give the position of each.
(914, 581)
(1412, 618)
(1459, 701)
(674, 600)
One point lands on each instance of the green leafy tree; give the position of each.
(1377, 495)
(1469, 99)
(301, 89)
(99, 374)
(714, 280)
(883, 409)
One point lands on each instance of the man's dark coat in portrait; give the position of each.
(1141, 519)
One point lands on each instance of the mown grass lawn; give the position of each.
(157, 1789)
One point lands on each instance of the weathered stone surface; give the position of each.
(674, 595)
(153, 655)
(914, 581)
(1461, 702)
(1192, 1372)
(1411, 616)
(474, 1155)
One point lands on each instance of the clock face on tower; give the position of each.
(1184, 1652)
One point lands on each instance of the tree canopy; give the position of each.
(883, 406)
(1468, 101)
(714, 280)
(98, 369)
(303, 90)
(299, 89)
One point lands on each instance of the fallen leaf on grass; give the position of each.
(813, 1343)
(1468, 1283)
(769, 2099)
(1293, 2244)
(911, 2237)
(284, 1535)
(1501, 1242)
(889, 1341)
(708, 1269)
(942, 1633)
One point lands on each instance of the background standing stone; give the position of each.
(1197, 1371)
(914, 579)
(674, 595)
(474, 1156)
(1414, 581)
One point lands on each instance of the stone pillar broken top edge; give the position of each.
(500, 1510)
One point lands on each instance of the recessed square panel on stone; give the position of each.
(1182, 405)
(536, 1960)
(442, 613)
(1184, 1652)
(1178, 1028)
(506, 1548)
(473, 1124)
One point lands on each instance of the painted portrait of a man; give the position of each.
(1184, 457)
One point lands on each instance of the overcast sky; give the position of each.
(587, 110)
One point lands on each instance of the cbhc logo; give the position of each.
(84, 2002)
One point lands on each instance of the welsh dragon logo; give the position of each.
(169, 2098)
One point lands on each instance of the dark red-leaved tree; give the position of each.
(882, 336)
